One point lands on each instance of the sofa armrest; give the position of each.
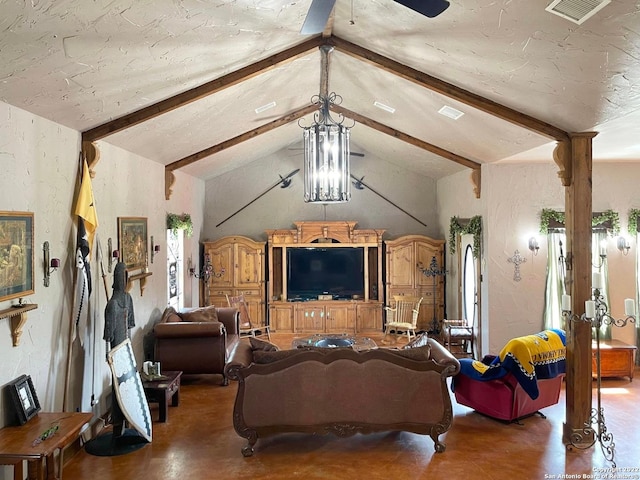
(189, 329)
(443, 356)
(230, 317)
(241, 357)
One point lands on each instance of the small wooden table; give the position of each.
(616, 359)
(162, 390)
(17, 443)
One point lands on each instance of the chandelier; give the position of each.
(326, 147)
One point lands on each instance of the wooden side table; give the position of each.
(162, 390)
(616, 359)
(18, 443)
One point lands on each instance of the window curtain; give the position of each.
(555, 282)
(637, 298)
(599, 265)
(556, 274)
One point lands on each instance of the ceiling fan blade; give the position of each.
(317, 16)
(429, 8)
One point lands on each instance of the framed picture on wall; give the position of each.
(132, 241)
(24, 398)
(16, 255)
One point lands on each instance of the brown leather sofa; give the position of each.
(197, 341)
(341, 390)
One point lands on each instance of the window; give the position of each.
(175, 269)
(469, 287)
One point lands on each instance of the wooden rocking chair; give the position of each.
(246, 326)
(404, 316)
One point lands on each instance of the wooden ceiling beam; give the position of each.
(201, 91)
(465, 162)
(449, 90)
(290, 117)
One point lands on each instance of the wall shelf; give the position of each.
(18, 317)
(142, 277)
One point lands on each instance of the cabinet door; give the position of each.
(340, 318)
(401, 266)
(248, 267)
(281, 318)
(369, 318)
(309, 319)
(255, 304)
(221, 259)
(424, 255)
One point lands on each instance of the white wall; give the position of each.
(513, 196)
(38, 160)
(281, 207)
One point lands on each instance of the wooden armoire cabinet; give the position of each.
(406, 257)
(238, 268)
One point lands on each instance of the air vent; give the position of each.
(576, 11)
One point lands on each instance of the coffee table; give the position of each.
(335, 340)
(163, 389)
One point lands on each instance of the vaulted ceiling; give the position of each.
(183, 82)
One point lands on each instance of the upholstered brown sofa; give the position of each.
(196, 341)
(341, 390)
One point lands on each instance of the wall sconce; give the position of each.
(155, 249)
(533, 245)
(112, 254)
(207, 270)
(50, 265)
(623, 245)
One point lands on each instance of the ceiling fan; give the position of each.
(320, 10)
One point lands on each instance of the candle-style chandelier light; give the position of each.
(326, 146)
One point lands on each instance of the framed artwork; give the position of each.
(132, 241)
(24, 398)
(16, 255)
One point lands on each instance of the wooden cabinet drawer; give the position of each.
(248, 292)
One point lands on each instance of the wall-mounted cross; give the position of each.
(517, 259)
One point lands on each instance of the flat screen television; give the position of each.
(335, 271)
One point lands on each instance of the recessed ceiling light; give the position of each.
(450, 112)
(265, 107)
(384, 107)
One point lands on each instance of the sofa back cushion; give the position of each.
(170, 316)
(206, 314)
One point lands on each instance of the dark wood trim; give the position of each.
(201, 91)
(452, 91)
(406, 137)
(188, 160)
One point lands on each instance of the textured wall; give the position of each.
(281, 207)
(39, 159)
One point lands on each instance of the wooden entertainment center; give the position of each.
(240, 266)
(319, 316)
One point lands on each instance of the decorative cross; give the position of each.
(517, 259)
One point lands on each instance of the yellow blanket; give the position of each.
(530, 357)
